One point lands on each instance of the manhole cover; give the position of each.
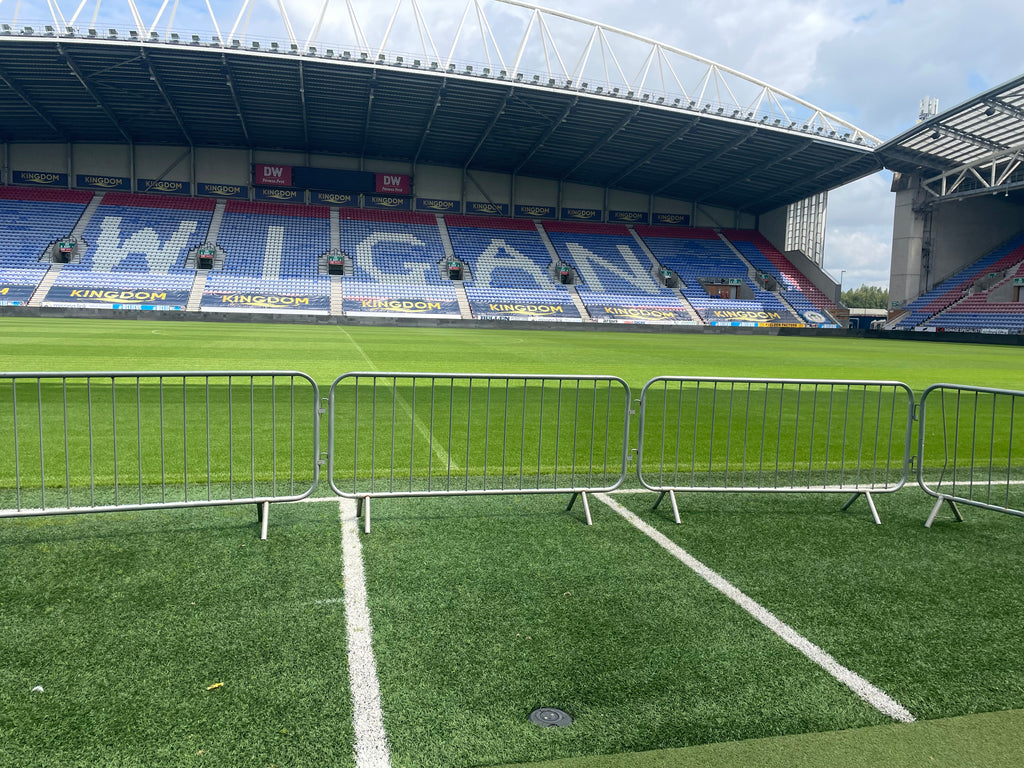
(549, 717)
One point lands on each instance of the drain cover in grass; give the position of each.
(549, 717)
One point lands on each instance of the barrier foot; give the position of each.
(938, 506)
(871, 504)
(586, 505)
(675, 505)
(263, 512)
(366, 517)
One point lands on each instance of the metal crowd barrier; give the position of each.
(440, 434)
(106, 441)
(774, 435)
(971, 448)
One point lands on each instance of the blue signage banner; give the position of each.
(640, 314)
(755, 316)
(535, 211)
(487, 209)
(165, 186)
(235, 191)
(234, 302)
(15, 294)
(118, 298)
(537, 311)
(340, 199)
(388, 202)
(391, 306)
(676, 219)
(96, 181)
(431, 205)
(39, 178)
(278, 195)
(628, 217)
(581, 214)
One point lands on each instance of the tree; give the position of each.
(866, 297)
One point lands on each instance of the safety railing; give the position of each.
(774, 435)
(971, 448)
(107, 441)
(439, 434)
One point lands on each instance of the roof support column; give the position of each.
(71, 162)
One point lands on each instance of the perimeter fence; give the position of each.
(104, 441)
(109, 441)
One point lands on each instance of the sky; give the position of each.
(870, 62)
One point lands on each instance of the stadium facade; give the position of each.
(512, 111)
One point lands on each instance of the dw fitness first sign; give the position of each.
(330, 179)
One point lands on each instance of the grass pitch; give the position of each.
(487, 607)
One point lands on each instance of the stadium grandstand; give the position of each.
(281, 162)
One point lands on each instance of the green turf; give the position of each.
(489, 610)
(933, 617)
(126, 619)
(324, 352)
(488, 607)
(990, 740)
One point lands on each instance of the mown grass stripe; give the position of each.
(371, 741)
(873, 695)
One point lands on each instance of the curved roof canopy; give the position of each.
(555, 97)
(976, 147)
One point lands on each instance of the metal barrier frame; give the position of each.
(855, 490)
(363, 499)
(953, 499)
(262, 502)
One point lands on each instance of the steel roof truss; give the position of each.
(547, 134)
(369, 111)
(487, 131)
(747, 174)
(91, 91)
(603, 141)
(430, 122)
(5, 78)
(707, 159)
(991, 172)
(226, 69)
(655, 152)
(167, 99)
(305, 113)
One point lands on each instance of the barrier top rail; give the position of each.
(704, 433)
(976, 446)
(428, 437)
(102, 441)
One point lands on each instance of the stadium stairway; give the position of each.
(460, 295)
(578, 303)
(335, 228)
(446, 240)
(45, 285)
(87, 214)
(656, 265)
(195, 295)
(547, 242)
(337, 295)
(697, 319)
(215, 221)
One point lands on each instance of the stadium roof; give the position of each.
(976, 147)
(728, 141)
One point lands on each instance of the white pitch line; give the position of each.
(873, 695)
(371, 745)
(422, 428)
